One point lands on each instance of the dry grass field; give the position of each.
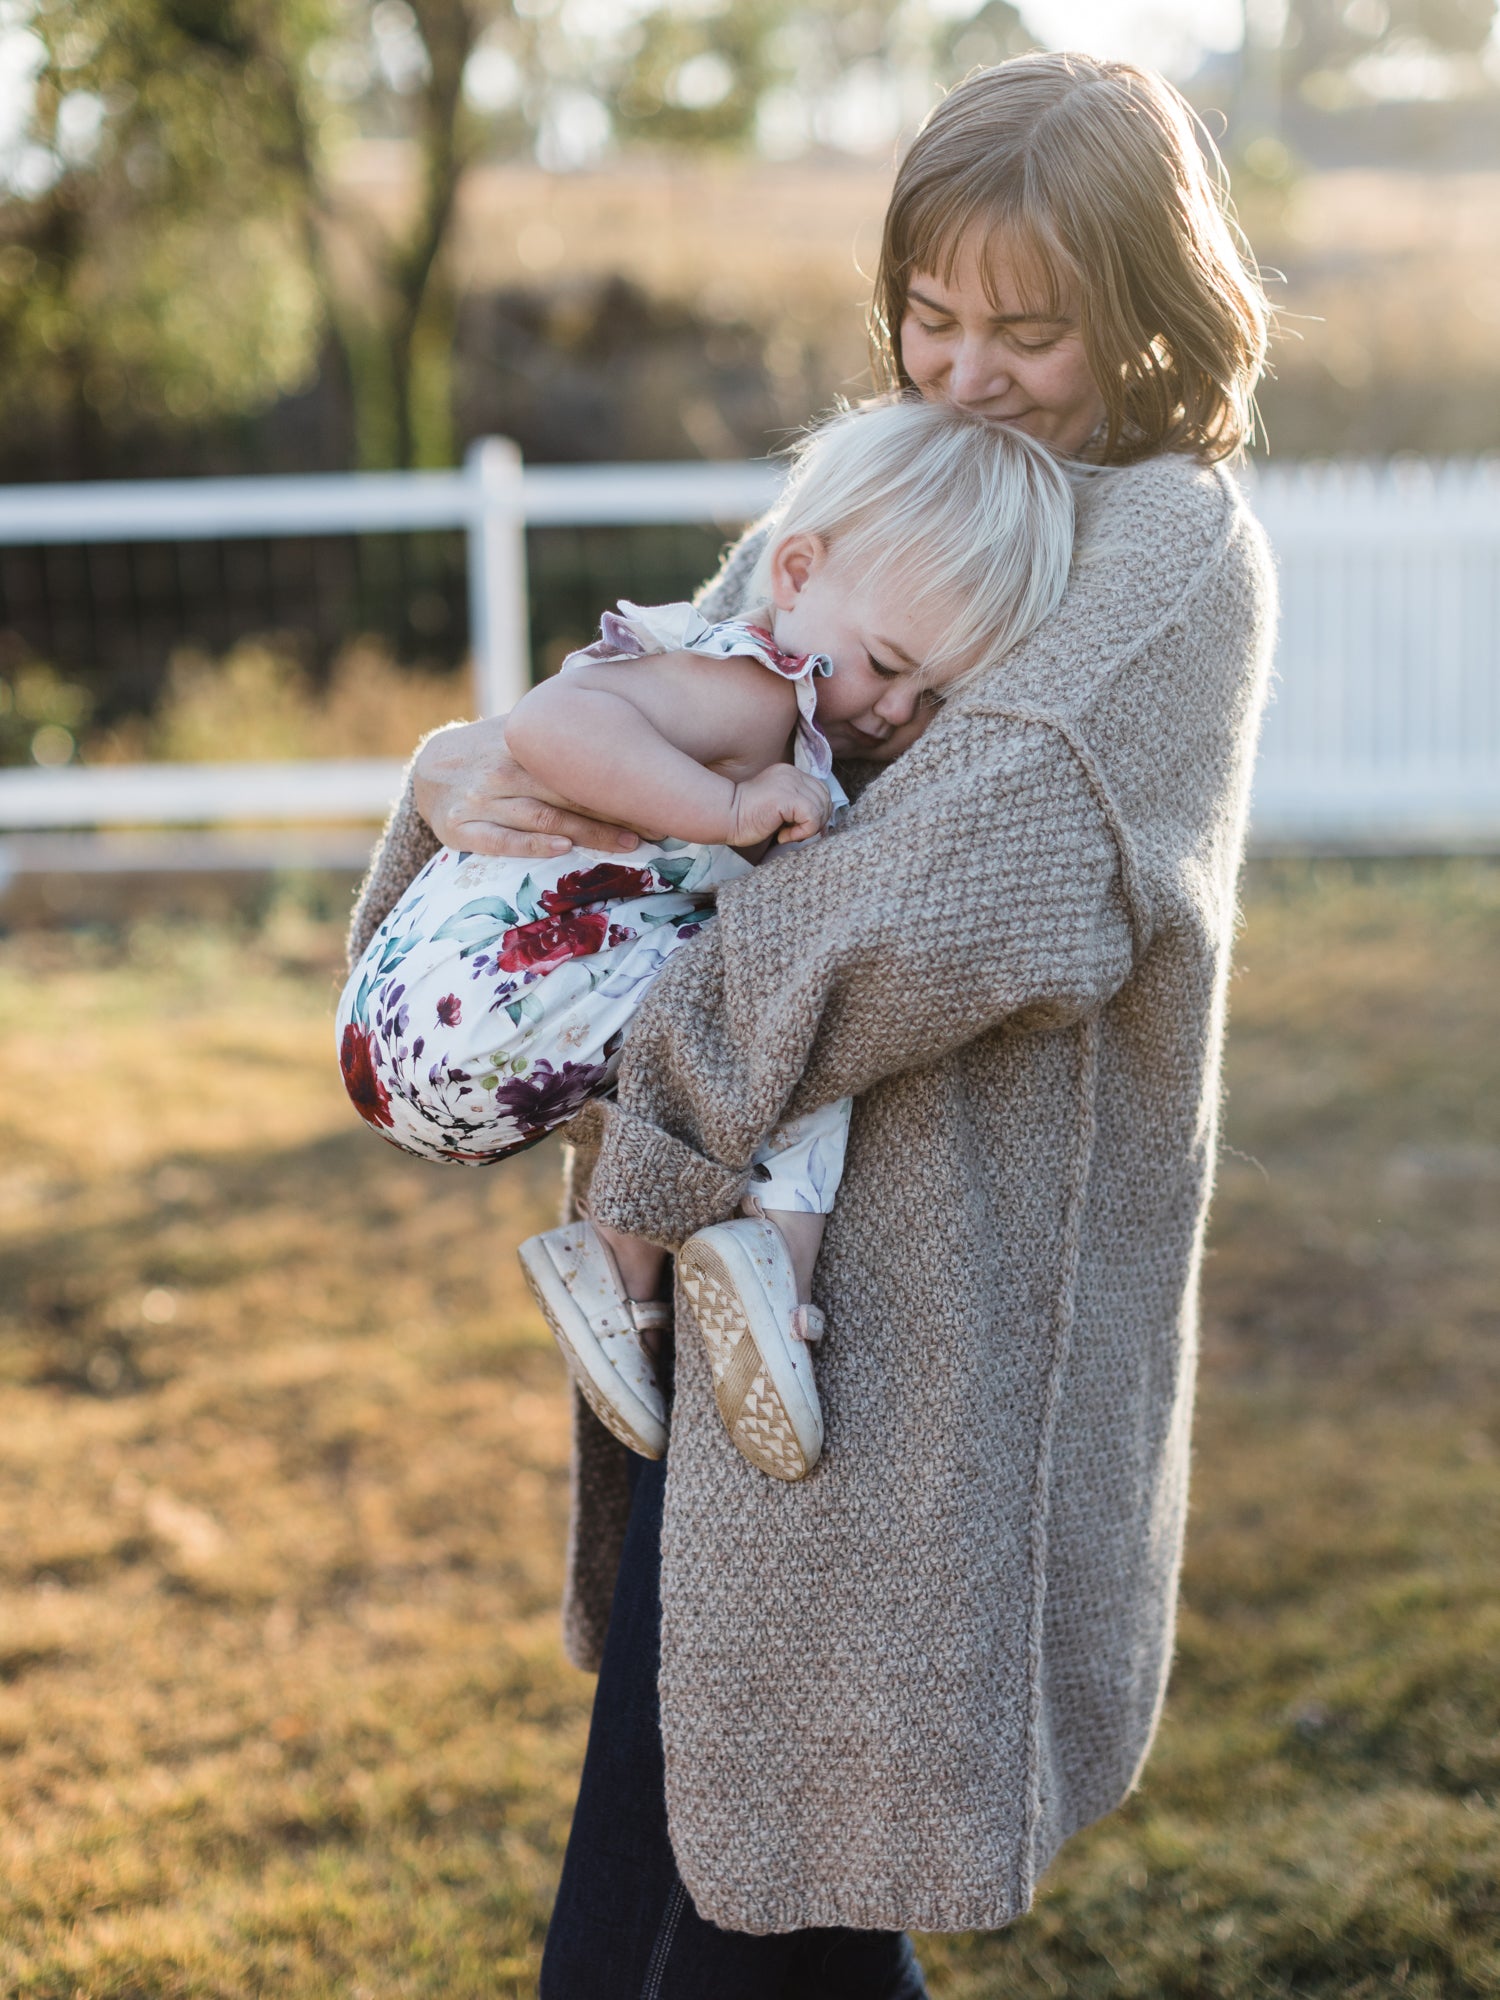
(283, 1478)
(1388, 282)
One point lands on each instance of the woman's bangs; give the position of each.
(1035, 264)
(1044, 277)
(935, 232)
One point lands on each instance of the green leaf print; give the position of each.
(396, 949)
(685, 871)
(476, 923)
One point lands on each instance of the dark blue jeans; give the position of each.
(623, 1926)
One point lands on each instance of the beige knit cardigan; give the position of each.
(890, 1692)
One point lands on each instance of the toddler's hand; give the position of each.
(779, 803)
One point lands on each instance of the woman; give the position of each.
(887, 1696)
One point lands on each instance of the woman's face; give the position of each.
(983, 347)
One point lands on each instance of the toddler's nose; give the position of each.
(898, 704)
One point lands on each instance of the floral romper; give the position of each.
(494, 1000)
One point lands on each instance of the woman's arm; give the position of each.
(992, 894)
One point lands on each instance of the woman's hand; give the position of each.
(475, 796)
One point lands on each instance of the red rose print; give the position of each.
(450, 1010)
(552, 941)
(367, 1093)
(606, 881)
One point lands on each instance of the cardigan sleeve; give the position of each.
(406, 844)
(992, 895)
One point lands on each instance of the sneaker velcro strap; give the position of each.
(649, 1315)
(808, 1324)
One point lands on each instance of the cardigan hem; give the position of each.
(889, 1909)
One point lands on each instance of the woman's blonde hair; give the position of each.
(967, 514)
(1102, 181)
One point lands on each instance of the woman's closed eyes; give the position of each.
(940, 329)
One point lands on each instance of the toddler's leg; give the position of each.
(796, 1177)
(639, 1263)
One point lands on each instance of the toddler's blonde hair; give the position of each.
(968, 513)
(1098, 177)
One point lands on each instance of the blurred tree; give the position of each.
(176, 241)
(181, 238)
(1329, 34)
(392, 314)
(148, 259)
(694, 78)
(1327, 37)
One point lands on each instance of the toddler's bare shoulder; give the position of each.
(740, 685)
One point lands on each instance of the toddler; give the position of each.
(912, 547)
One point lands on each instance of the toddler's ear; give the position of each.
(792, 563)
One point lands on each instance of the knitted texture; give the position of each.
(406, 845)
(891, 1691)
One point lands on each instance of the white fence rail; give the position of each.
(1384, 731)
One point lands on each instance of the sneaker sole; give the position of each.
(622, 1414)
(751, 1403)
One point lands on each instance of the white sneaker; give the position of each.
(574, 1280)
(739, 1280)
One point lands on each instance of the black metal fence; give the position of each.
(111, 615)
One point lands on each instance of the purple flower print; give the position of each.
(450, 1010)
(548, 1097)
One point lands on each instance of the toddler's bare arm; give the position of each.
(672, 744)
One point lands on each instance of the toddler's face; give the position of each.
(878, 698)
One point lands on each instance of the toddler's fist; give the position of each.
(779, 803)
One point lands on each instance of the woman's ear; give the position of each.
(792, 563)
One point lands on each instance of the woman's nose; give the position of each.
(976, 375)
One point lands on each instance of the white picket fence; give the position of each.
(1384, 727)
(1384, 730)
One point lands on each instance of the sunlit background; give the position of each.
(283, 1444)
(334, 235)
